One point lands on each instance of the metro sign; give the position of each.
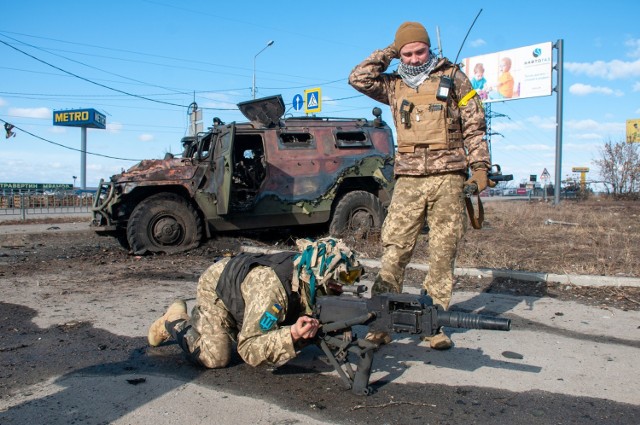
(80, 118)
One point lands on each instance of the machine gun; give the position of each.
(400, 313)
(495, 176)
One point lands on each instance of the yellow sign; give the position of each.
(633, 131)
(80, 118)
(313, 100)
(580, 169)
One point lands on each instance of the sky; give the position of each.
(143, 62)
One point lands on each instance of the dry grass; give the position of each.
(595, 237)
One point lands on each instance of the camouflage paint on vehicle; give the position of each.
(269, 172)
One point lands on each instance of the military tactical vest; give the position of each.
(237, 269)
(426, 121)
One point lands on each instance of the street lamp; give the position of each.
(74, 181)
(270, 43)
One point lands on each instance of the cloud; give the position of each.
(31, 112)
(3, 102)
(536, 147)
(612, 70)
(595, 126)
(586, 89)
(547, 123)
(636, 87)
(478, 42)
(588, 136)
(634, 44)
(114, 127)
(219, 100)
(145, 137)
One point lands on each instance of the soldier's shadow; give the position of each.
(501, 296)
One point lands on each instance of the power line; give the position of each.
(209, 64)
(68, 147)
(103, 85)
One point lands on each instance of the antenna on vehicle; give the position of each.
(467, 35)
(446, 81)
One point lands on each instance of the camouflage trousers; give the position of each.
(440, 198)
(215, 329)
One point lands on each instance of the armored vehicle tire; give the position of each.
(358, 212)
(164, 222)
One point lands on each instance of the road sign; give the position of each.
(545, 175)
(580, 169)
(313, 101)
(297, 102)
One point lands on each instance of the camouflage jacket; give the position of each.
(370, 78)
(262, 338)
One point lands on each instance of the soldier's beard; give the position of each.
(413, 76)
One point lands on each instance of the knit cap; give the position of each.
(410, 32)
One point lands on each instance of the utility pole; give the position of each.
(253, 87)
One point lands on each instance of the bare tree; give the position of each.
(619, 166)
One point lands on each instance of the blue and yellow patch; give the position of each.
(270, 317)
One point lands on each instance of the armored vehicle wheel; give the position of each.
(357, 212)
(164, 223)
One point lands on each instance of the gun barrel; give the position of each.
(456, 319)
(501, 177)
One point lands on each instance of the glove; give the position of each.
(479, 178)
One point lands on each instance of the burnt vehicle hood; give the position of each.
(264, 112)
(159, 170)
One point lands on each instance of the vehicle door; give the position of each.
(223, 167)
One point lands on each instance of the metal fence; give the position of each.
(22, 205)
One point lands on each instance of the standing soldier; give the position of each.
(440, 126)
(261, 301)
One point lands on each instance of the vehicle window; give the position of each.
(352, 139)
(204, 150)
(296, 140)
(189, 146)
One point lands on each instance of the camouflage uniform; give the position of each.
(254, 300)
(218, 330)
(429, 179)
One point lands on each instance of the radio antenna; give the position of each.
(465, 37)
(439, 42)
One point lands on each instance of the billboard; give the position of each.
(512, 74)
(36, 186)
(633, 131)
(80, 118)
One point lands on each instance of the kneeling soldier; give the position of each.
(261, 301)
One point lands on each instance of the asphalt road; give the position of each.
(77, 344)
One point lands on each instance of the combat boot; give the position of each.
(158, 332)
(439, 341)
(380, 286)
(186, 336)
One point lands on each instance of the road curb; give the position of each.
(573, 279)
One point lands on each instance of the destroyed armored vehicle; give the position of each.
(265, 173)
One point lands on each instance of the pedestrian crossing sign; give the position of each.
(313, 100)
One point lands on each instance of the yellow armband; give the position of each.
(467, 98)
